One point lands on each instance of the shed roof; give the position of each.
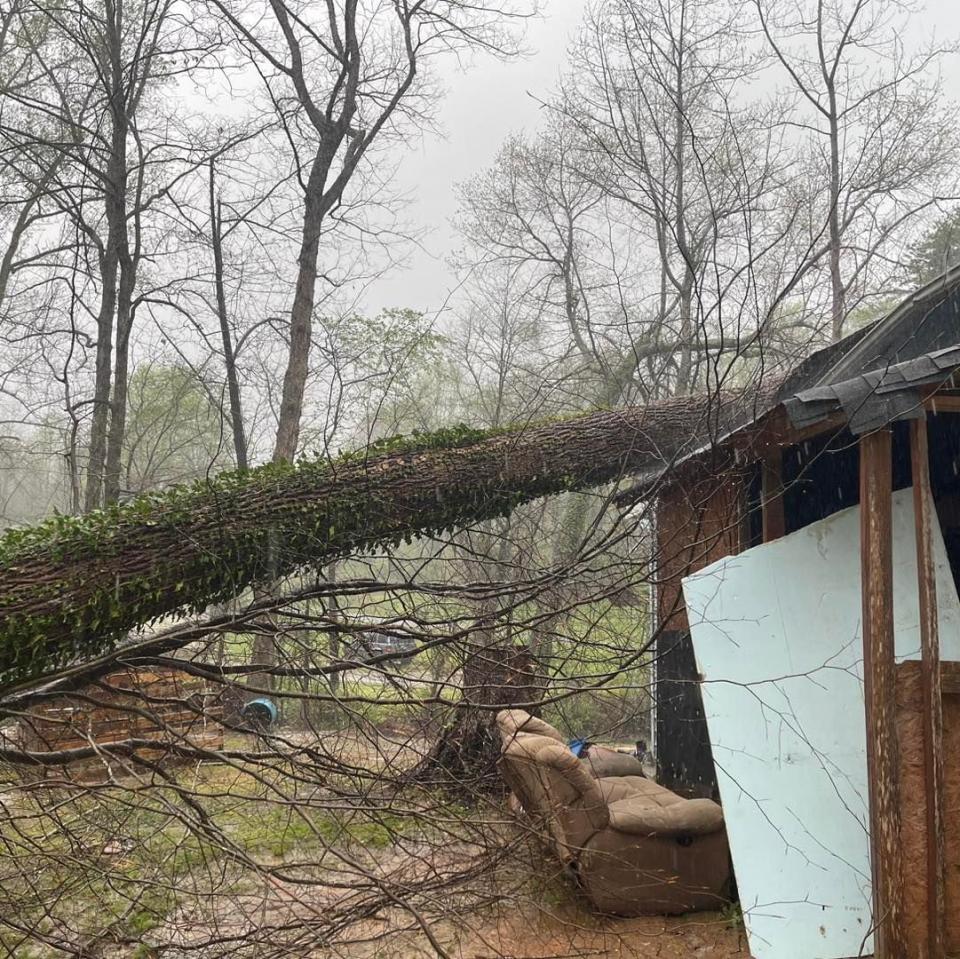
(872, 377)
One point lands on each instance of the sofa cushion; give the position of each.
(615, 788)
(640, 816)
(602, 761)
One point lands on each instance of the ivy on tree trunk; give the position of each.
(72, 586)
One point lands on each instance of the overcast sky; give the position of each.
(482, 107)
(487, 103)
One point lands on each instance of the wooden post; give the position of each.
(771, 496)
(932, 711)
(876, 572)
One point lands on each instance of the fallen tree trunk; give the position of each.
(71, 587)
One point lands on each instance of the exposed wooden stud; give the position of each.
(876, 571)
(932, 712)
(771, 496)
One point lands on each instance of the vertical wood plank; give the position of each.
(771, 496)
(932, 707)
(876, 571)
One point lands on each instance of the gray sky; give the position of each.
(486, 104)
(482, 107)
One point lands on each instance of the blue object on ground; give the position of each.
(263, 711)
(577, 746)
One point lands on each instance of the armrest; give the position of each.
(691, 817)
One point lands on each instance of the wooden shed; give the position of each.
(875, 413)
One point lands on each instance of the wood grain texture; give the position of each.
(931, 713)
(698, 522)
(876, 558)
(913, 809)
(71, 589)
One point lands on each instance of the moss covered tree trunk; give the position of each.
(70, 587)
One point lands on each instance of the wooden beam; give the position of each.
(771, 495)
(950, 679)
(876, 571)
(775, 430)
(932, 706)
(943, 403)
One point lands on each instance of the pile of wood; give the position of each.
(126, 722)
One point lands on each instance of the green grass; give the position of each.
(280, 832)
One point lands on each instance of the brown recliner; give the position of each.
(599, 761)
(635, 847)
(563, 801)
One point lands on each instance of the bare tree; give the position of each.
(94, 70)
(344, 78)
(673, 131)
(878, 136)
(226, 333)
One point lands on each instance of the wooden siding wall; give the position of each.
(697, 523)
(913, 806)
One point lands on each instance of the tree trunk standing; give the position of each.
(465, 756)
(229, 358)
(72, 458)
(301, 313)
(103, 471)
(96, 459)
(316, 206)
(350, 53)
(686, 285)
(838, 307)
(121, 369)
(264, 650)
(685, 366)
(496, 672)
(126, 91)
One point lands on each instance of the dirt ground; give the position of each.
(546, 920)
(541, 934)
(531, 932)
(537, 914)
